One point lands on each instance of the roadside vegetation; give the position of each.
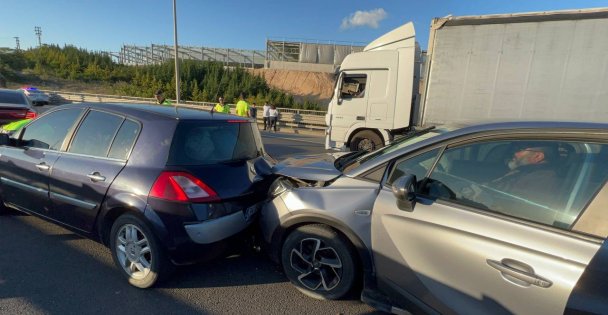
(200, 80)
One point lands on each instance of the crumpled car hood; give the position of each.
(318, 167)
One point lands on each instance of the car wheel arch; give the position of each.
(110, 216)
(292, 223)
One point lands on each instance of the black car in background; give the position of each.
(159, 185)
(14, 105)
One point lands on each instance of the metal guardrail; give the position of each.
(312, 120)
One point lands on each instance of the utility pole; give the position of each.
(177, 79)
(38, 32)
(17, 46)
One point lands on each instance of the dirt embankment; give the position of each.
(313, 86)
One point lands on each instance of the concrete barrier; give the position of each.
(290, 119)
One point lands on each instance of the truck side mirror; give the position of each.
(404, 189)
(339, 101)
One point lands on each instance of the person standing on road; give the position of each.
(274, 117)
(242, 107)
(266, 115)
(253, 111)
(221, 107)
(160, 98)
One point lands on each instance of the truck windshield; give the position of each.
(400, 143)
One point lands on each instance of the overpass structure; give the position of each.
(155, 54)
(289, 54)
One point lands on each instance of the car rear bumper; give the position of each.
(215, 230)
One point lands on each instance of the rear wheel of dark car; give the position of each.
(320, 262)
(137, 252)
(365, 140)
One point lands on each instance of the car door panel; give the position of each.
(24, 174)
(448, 248)
(77, 188)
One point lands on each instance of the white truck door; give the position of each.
(351, 105)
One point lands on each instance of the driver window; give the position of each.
(353, 86)
(418, 165)
(543, 181)
(49, 131)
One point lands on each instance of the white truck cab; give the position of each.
(362, 111)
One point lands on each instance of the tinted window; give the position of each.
(124, 140)
(549, 182)
(418, 165)
(197, 143)
(95, 134)
(12, 97)
(49, 131)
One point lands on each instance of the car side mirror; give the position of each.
(4, 139)
(404, 189)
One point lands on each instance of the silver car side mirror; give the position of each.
(404, 189)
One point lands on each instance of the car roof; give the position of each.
(494, 127)
(169, 111)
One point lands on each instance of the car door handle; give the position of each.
(43, 166)
(96, 177)
(518, 272)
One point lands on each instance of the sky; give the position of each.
(241, 24)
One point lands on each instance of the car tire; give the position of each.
(365, 140)
(137, 252)
(320, 262)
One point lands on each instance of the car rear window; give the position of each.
(208, 142)
(12, 98)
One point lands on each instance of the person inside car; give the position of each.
(531, 173)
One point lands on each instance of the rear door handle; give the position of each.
(96, 177)
(519, 273)
(43, 166)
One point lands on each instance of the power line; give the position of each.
(38, 32)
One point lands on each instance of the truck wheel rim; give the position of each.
(133, 251)
(319, 266)
(366, 145)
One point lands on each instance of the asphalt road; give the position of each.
(45, 269)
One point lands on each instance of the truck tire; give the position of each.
(366, 140)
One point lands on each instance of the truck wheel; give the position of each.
(366, 140)
(320, 262)
(137, 252)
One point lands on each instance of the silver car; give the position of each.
(490, 219)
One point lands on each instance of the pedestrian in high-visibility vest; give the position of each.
(221, 107)
(160, 98)
(242, 107)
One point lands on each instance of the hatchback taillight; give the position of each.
(183, 187)
(30, 114)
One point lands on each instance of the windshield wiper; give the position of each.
(347, 158)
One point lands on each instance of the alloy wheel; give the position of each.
(133, 251)
(318, 265)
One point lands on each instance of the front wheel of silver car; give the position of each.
(137, 252)
(320, 262)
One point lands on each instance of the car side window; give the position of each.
(95, 134)
(418, 165)
(49, 131)
(547, 182)
(121, 147)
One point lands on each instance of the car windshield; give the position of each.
(202, 143)
(360, 158)
(12, 97)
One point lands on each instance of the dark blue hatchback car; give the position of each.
(159, 185)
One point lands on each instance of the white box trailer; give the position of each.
(528, 66)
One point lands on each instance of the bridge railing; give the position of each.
(312, 120)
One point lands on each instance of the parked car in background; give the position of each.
(158, 185)
(490, 219)
(37, 97)
(14, 106)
